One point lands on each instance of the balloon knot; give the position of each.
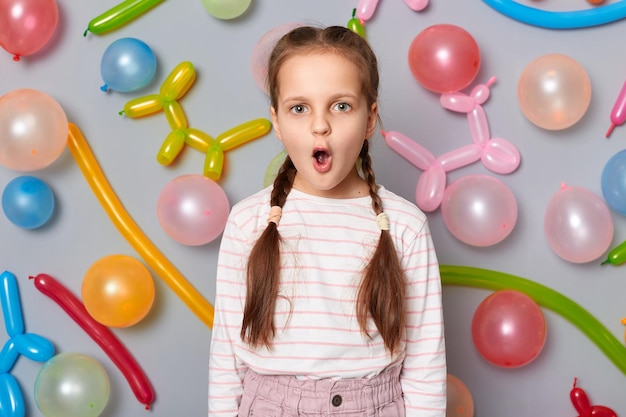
(104, 88)
(382, 132)
(563, 186)
(16, 58)
(85, 33)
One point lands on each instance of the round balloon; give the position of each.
(262, 51)
(444, 58)
(33, 130)
(72, 385)
(554, 91)
(26, 26)
(193, 209)
(118, 291)
(128, 64)
(509, 329)
(578, 225)
(613, 182)
(28, 202)
(272, 169)
(459, 399)
(226, 9)
(479, 210)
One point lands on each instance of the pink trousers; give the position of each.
(286, 396)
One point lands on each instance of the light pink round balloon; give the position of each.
(33, 130)
(459, 399)
(554, 91)
(578, 224)
(28, 31)
(479, 210)
(193, 209)
(444, 58)
(509, 329)
(262, 51)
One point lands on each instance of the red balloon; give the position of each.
(581, 403)
(509, 329)
(444, 58)
(26, 32)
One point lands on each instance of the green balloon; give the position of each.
(544, 296)
(226, 9)
(273, 167)
(72, 385)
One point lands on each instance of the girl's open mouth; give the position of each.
(321, 160)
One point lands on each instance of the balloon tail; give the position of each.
(85, 33)
(608, 132)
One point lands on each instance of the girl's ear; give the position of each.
(275, 123)
(372, 119)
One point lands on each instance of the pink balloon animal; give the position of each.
(365, 8)
(498, 155)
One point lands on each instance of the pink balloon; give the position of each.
(509, 329)
(479, 210)
(444, 58)
(193, 209)
(578, 224)
(27, 25)
(262, 51)
(554, 91)
(33, 130)
(459, 400)
(430, 188)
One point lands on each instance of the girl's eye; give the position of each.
(342, 107)
(298, 108)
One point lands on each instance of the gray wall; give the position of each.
(172, 344)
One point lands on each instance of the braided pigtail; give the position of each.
(381, 294)
(263, 270)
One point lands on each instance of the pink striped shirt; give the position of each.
(327, 243)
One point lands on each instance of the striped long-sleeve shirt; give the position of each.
(326, 245)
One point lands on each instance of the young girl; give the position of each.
(328, 290)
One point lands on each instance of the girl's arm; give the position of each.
(424, 370)
(226, 371)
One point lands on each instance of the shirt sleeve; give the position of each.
(226, 371)
(424, 372)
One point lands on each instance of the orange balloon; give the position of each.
(554, 91)
(118, 291)
(459, 399)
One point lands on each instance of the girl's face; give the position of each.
(322, 118)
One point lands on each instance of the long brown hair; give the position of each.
(381, 294)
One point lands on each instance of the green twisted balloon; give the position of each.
(543, 296)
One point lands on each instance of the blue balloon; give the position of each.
(591, 16)
(127, 64)
(11, 398)
(614, 182)
(28, 202)
(11, 305)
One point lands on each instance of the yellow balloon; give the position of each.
(554, 91)
(118, 291)
(163, 267)
(143, 106)
(179, 81)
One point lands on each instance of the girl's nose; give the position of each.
(320, 125)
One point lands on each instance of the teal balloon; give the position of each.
(128, 64)
(226, 9)
(613, 182)
(28, 202)
(72, 385)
